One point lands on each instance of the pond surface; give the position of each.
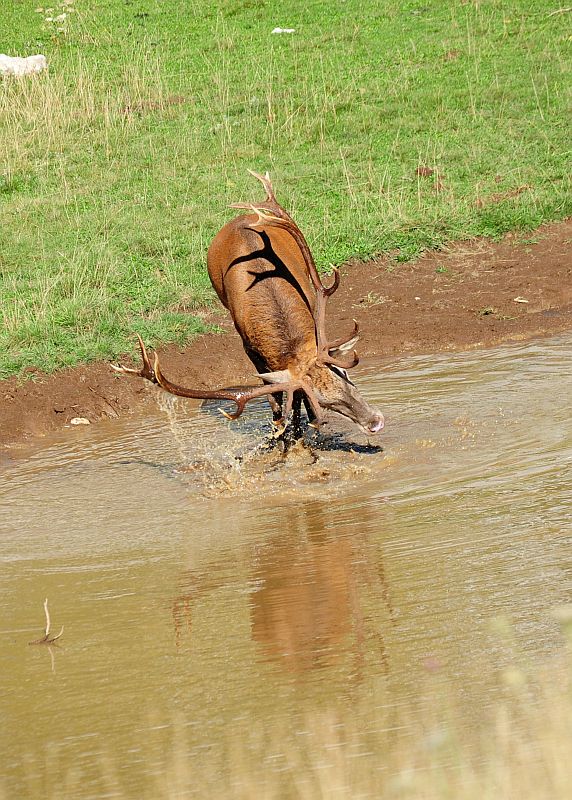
(219, 601)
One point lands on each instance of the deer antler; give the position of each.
(146, 370)
(280, 218)
(270, 203)
(238, 396)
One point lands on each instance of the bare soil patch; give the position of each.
(475, 294)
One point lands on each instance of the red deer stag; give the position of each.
(261, 268)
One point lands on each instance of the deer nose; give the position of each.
(376, 424)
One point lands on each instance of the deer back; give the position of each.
(261, 277)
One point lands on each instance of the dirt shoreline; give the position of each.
(475, 294)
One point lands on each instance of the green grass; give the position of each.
(119, 165)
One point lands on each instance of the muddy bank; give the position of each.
(475, 294)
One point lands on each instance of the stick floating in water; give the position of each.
(46, 638)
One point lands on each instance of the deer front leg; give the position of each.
(297, 432)
(275, 401)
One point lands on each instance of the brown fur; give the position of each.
(261, 277)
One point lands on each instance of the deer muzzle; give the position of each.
(375, 425)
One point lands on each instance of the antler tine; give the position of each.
(345, 339)
(350, 361)
(146, 370)
(262, 215)
(270, 203)
(267, 183)
(329, 290)
(324, 346)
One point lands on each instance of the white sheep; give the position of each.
(13, 65)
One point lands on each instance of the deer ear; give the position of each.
(344, 348)
(282, 376)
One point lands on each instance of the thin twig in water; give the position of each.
(46, 638)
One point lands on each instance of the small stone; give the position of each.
(79, 421)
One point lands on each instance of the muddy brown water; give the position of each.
(214, 594)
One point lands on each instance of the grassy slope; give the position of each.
(117, 167)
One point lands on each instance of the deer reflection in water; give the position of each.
(313, 587)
